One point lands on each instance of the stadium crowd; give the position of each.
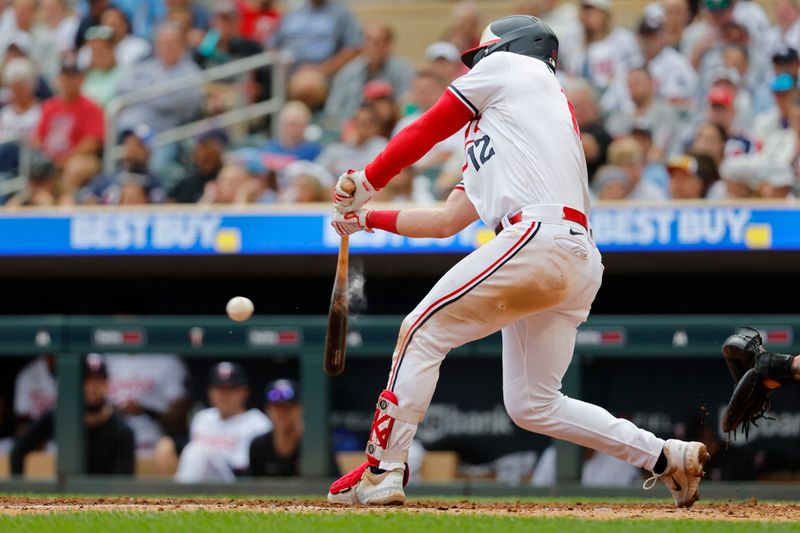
(698, 100)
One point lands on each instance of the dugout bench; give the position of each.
(71, 337)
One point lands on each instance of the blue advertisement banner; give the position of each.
(190, 231)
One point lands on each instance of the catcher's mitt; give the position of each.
(752, 367)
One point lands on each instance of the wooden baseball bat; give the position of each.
(336, 335)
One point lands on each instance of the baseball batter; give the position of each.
(525, 174)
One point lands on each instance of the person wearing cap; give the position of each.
(102, 75)
(607, 52)
(133, 169)
(444, 59)
(722, 111)
(277, 452)
(785, 60)
(377, 62)
(675, 79)
(358, 146)
(109, 441)
(206, 162)
(220, 436)
(784, 88)
(71, 131)
(610, 183)
(690, 176)
(722, 13)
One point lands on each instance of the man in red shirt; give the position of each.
(71, 130)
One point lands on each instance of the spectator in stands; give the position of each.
(21, 114)
(407, 187)
(628, 154)
(358, 147)
(677, 16)
(611, 183)
(465, 31)
(444, 60)
(198, 20)
(710, 139)
(171, 61)
(562, 17)
(786, 60)
(20, 47)
(776, 118)
(92, 15)
(35, 391)
(376, 63)
(43, 188)
(206, 164)
(144, 14)
(277, 452)
(607, 52)
(222, 43)
(24, 12)
(259, 20)
(722, 111)
(426, 89)
(54, 36)
(690, 177)
(128, 48)
(381, 97)
(330, 47)
(234, 184)
(102, 76)
(150, 391)
(309, 87)
(290, 143)
(650, 109)
(218, 449)
(724, 15)
(594, 137)
(71, 130)
(786, 30)
(778, 184)
(674, 77)
(109, 441)
(304, 182)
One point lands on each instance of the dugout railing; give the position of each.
(71, 337)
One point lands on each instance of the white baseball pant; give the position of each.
(536, 281)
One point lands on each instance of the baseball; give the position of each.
(240, 308)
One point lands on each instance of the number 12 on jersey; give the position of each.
(480, 152)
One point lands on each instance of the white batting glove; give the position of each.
(344, 201)
(350, 222)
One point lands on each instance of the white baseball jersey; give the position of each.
(523, 147)
(673, 75)
(34, 389)
(230, 438)
(602, 61)
(153, 381)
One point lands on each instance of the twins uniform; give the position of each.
(525, 174)
(220, 447)
(34, 390)
(153, 381)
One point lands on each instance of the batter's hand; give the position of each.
(353, 190)
(350, 222)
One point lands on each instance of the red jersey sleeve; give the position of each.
(92, 121)
(441, 121)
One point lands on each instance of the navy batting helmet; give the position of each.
(519, 34)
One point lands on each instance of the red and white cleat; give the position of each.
(362, 487)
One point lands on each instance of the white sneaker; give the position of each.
(685, 461)
(385, 488)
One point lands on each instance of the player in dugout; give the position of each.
(525, 175)
(109, 441)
